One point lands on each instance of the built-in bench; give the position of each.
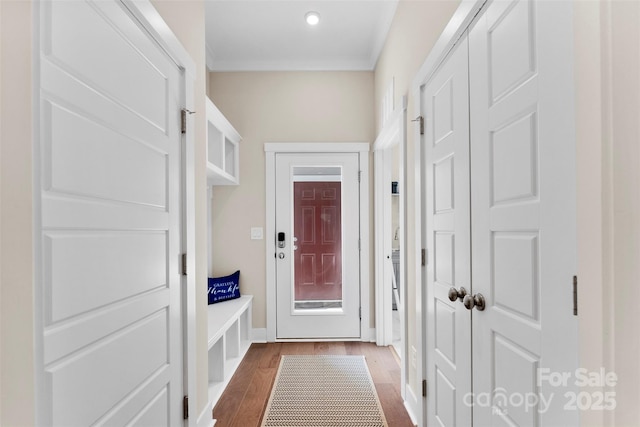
(229, 333)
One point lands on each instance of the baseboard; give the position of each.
(371, 337)
(412, 405)
(205, 418)
(259, 335)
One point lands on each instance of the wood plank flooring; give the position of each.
(244, 400)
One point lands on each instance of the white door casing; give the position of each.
(108, 220)
(445, 101)
(523, 189)
(273, 148)
(321, 323)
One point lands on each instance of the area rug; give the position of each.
(334, 391)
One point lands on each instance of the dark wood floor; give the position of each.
(245, 398)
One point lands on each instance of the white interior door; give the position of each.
(445, 104)
(108, 233)
(317, 246)
(523, 212)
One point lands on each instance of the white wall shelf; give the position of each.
(223, 149)
(229, 335)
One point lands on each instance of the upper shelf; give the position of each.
(223, 150)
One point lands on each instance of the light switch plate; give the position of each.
(256, 233)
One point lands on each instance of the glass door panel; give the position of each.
(317, 256)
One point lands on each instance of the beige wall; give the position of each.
(186, 20)
(625, 161)
(607, 39)
(590, 194)
(17, 398)
(415, 29)
(607, 70)
(277, 107)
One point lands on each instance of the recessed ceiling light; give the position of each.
(312, 18)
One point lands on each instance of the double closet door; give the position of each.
(499, 180)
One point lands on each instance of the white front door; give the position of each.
(108, 224)
(317, 246)
(445, 102)
(523, 213)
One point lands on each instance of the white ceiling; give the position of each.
(261, 35)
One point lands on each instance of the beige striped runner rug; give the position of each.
(334, 391)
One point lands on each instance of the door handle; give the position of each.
(476, 300)
(455, 294)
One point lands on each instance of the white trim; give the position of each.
(380, 37)
(153, 22)
(271, 148)
(205, 419)
(458, 24)
(344, 65)
(316, 147)
(460, 21)
(365, 214)
(210, 58)
(412, 406)
(418, 227)
(388, 136)
(394, 133)
(270, 230)
(259, 335)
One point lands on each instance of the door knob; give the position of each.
(455, 294)
(476, 300)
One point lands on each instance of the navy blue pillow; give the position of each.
(224, 288)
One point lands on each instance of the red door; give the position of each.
(318, 237)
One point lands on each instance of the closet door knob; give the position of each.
(476, 300)
(455, 294)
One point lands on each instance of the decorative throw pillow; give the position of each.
(224, 288)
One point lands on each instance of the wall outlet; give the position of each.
(257, 233)
(414, 357)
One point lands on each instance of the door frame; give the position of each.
(149, 19)
(458, 24)
(273, 148)
(393, 134)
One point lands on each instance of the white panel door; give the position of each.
(318, 258)
(108, 190)
(445, 104)
(523, 212)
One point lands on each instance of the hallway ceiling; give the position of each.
(261, 35)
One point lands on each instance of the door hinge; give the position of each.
(185, 408)
(424, 388)
(424, 257)
(183, 119)
(359, 245)
(360, 312)
(359, 176)
(184, 264)
(575, 295)
(420, 119)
